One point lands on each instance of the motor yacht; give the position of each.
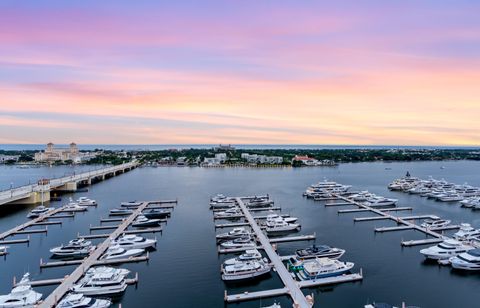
(450, 198)
(466, 232)
(22, 295)
(101, 284)
(320, 251)
(39, 210)
(117, 252)
(120, 212)
(272, 217)
(77, 300)
(107, 270)
(229, 213)
(380, 202)
(259, 202)
(241, 270)
(143, 222)
(469, 260)
(75, 248)
(234, 233)
(84, 201)
(470, 202)
(435, 223)
(242, 242)
(248, 255)
(131, 241)
(75, 207)
(131, 204)
(222, 205)
(280, 226)
(156, 213)
(221, 198)
(323, 267)
(445, 250)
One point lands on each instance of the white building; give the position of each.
(222, 157)
(7, 158)
(51, 154)
(261, 159)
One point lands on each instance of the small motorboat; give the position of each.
(320, 251)
(98, 284)
(75, 248)
(131, 241)
(242, 270)
(142, 222)
(435, 223)
(22, 295)
(3, 250)
(120, 212)
(77, 300)
(156, 213)
(131, 204)
(242, 242)
(117, 252)
(39, 210)
(84, 201)
(233, 234)
(234, 212)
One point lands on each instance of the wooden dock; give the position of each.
(139, 231)
(70, 280)
(389, 229)
(422, 242)
(294, 291)
(99, 262)
(235, 224)
(255, 295)
(331, 280)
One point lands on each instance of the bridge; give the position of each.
(40, 192)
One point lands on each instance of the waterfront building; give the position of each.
(8, 158)
(261, 159)
(51, 154)
(309, 161)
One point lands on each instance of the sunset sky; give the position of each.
(242, 72)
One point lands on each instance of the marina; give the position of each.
(325, 222)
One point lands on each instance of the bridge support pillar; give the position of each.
(69, 186)
(35, 197)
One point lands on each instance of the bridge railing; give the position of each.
(55, 182)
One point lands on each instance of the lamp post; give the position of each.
(11, 189)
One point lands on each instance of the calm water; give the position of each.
(184, 271)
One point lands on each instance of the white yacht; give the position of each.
(121, 212)
(272, 217)
(131, 241)
(229, 213)
(39, 210)
(469, 260)
(241, 270)
(84, 201)
(248, 255)
(380, 201)
(74, 300)
(323, 267)
(450, 198)
(466, 232)
(75, 248)
(470, 202)
(320, 251)
(221, 198)
(243, 242)
(280, 226)
(259, 202)
(117, 252)
(3, 250)
(22, 295)
(143, 222)
(222, 204)
(109, 283)
(131, 204)
(435, 223)
(447, 249)
(234, 233)
(75, 207)
(106, 270)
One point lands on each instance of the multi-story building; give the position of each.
(51, 154)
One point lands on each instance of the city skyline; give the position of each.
(374, 73)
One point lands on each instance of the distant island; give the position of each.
(227, 155)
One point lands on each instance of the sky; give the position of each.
(242, 72)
